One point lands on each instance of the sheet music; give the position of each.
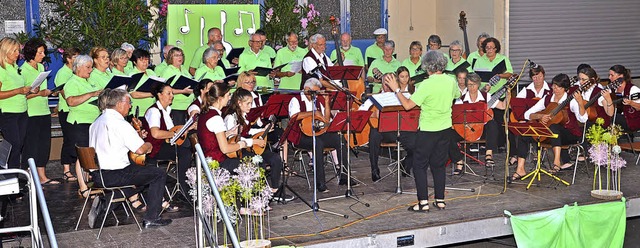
(349, 62)
(38, 81)
(181, 131)
(387, 99)
(159, 79)
(296, 66)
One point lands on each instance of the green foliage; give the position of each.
(107, 23)
(597, 134)
(282, 16)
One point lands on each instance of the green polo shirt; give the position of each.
(354, 54)
(384, 67)
(11, 80)
(214, 74)
(85, 113)
(115, 71)
(62, 76)
(472, 56)
(196, 60)
(373, 51)
(285, 55)
(128, 67)
(160, 68)
(452, 66)
(100, 78)
(180, 101)
(269, 51)
(249, 61)
(411, 66)
(483, 64)
(142, 103)
(435, 100)
(39, 105)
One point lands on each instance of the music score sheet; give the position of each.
(387, 99)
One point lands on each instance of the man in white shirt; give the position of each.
(315, 62)
(113, 137)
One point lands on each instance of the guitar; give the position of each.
(554, 108)
(632, 97)
(263, 136)
(181, 131)
(462, 22)
(592, 112)
(234, 139)
(471, 130)
(138, 159)
(498, 93)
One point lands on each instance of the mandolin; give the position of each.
(138, 159)
(263, 136)
(181, 131)
(462, 22)
(471, 130)
(309, 122)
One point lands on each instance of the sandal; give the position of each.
(141, 208)
(420, 207)
(488, 160)
(515, 177)
(85, 193)
(50, 182)
(69, 177)
(440, 204)
(459, 168)
(169, 208)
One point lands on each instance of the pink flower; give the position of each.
(306, 42)
(312, 7)
(296, 9)
(304, 22)
(60, 50)
(270, 12)
(278, 47)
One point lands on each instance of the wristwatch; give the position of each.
(397, 90)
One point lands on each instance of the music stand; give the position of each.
(314, 206)
(339, 100)
(396, 118)
(277, 105)
(348, 122)
(536, 131)
(464, 114)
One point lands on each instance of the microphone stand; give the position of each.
(314, 206)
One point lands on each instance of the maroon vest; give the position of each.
(322, 70)
(293, 138)
(256, 100)
(207, 139)
(155, 143)
(531, 94)
(630, 114)
(197, 103)
(572, 124)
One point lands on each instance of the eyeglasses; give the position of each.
(456, 50)
(251, 82)
(254, 41)
(490, 48)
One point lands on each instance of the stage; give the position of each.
(476, 215)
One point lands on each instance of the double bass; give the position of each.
(356, 86)
(462, 22)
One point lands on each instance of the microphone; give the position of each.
(532, 64)
(314, 70)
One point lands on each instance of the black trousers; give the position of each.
(325, 140)
(14, 130)
(140, 176)
(407, 140)
(431, 152)
(274, 160)
(179, 117)
(38, 140)
(184, 156)
(67, 151)
(498, 118)
(78, 135)
(454, 152)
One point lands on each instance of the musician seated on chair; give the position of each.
(630, 109)
(113, 137)
(159, 124)
(212, 132)
(376, 138)
(474, 95)
(564, 124)
(301, 107)
(600, 97)
(236, 117)
(201, 89)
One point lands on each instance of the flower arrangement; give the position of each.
(605, 153)
(248, 186)
(85, 24)
(282, 16)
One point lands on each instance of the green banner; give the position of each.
(596, 225)
(188, 23)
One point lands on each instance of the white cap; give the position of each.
(380, 31)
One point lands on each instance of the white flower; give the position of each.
(257, 159)
(616, 149)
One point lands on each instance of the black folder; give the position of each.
(419, 77)
(264, 71)
(234, 53)
(118, 81)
